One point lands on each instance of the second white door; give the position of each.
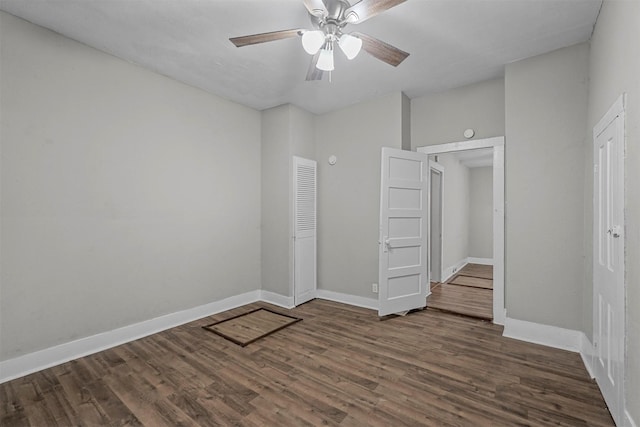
(608, 259)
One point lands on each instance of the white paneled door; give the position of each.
(608, 259)
(304, 229)
(403, 257)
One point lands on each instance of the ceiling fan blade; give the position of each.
(366, 9)
(314, 73)
(381, 50)
(265, 37)
(315, 7)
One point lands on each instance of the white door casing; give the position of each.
(436, 220)
(403, 244)
(608, 258)
(304, 229)
(499, 310)
(497, 143)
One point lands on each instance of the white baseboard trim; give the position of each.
(551, 336)
(363, 302)
(499, 316)
(482, 261)
(277, 299)
(52, 356)
(565, 339)
(587, 352)
(448, 272)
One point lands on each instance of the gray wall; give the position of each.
(481, 212)
(125, 195)
(546, 102)
(302, 125)
(615, 68)
(349, 191)
(302, 134)
(443, 117)
(287, 131)
(406, 123)
(275, 226)
(455, 221)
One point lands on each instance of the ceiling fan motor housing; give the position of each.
(329, 18)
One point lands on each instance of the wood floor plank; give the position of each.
(474, 282)
(251, 326)
(477, 270)
(341, 366)
(474, 302)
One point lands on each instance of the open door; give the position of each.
(403, 252)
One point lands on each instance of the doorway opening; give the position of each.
(464, 270)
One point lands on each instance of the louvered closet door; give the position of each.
(304, 214)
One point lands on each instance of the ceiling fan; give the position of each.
(329, 19)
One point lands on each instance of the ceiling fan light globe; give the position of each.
(350, 45)
(325, 60)
(312, 41)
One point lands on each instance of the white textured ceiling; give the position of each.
(451, 42)
(475, 158)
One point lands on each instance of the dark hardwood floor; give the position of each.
(341, 365)
(469, 301)
(469, 292)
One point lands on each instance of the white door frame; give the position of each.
(440, 169)
(497, 143)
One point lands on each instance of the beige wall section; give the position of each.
(615, 69)
(406, 123)
(276, 228)
(287, 131)
(349, 191)
(481, 212)
(546, 101)
(125, 195)
(302, 133)
(455, 233)
(302, 127)
(443, 117)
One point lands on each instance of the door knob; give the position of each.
(615, 231)
(387, 244)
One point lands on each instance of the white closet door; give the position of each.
(304, 235)
(608, 259)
